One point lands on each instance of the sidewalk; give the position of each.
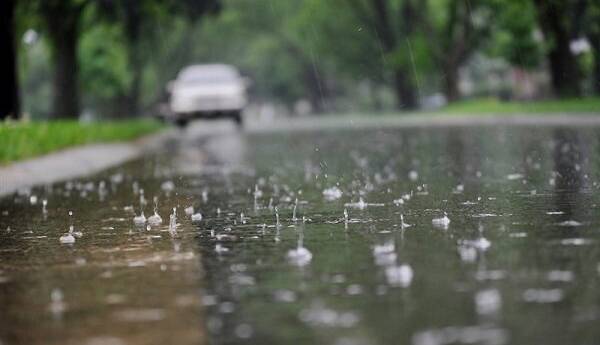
(74, 162)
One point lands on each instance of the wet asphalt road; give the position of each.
(364, 235)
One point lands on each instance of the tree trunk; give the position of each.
(595, 42)
(63, 29)
(404, 87)
(596, 80)
(9, 101)
(564, 71)
(313, 86)
(132, 30)
(454, 49)
(405, 91)
(133, 98)
(451, 83)
(66, 95)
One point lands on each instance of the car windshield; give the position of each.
(207, 75)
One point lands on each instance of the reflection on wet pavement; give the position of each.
(484, 235)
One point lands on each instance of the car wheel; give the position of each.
(237, 117)
(181, 123)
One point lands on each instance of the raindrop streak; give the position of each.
(402, 224)
(257, 194)
(346, 219)
(278, 224)
(414, 69)
(173, 222)
(141, 219)
(142, 198)
(294, 219)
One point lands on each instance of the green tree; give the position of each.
(105, 74)
(514, 36)
(392, 24)
(274, 31)
(404, 42)
(138, 20)
(454, 29)
(62, 21)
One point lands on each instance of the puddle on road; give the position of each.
(420, 236)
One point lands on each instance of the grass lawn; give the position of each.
(21, 140)
(494, 106)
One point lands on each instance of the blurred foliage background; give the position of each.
(113, 58)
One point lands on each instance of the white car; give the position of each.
(207, 91)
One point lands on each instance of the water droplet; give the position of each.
(67, 239)
(488, 301)
(400, 276)
(243, 331)
(442, 222)
(139, 220)
(167, 186)
(299, 256)
(332, 193)
(543, 295)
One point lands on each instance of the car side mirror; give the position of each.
(247, 82)
(170, 86)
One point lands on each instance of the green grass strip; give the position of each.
(495, 106)
(21, 140)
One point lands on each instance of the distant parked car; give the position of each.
(207, 91)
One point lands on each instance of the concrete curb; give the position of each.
(427, 120)
(75, 162)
